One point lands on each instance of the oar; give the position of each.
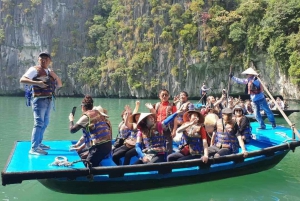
(295, 130)
(201, 98)
(228, 88)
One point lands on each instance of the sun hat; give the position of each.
(101, 110)
(237, 107)
(45, 54)
(192, 109)
(143, 116)
(250, 71)
(227, 111)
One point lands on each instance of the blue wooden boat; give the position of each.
(267, 149)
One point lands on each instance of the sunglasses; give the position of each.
(238, 110)
(164, 95)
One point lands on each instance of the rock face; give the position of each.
(59, 26)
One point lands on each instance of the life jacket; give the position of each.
(247, 132)
(226, 139)
(131, 139)
(154, 140)
(98, 131)
(124, 133)
(252, 89)
(192, 137)
(168, 111)
(46, 78)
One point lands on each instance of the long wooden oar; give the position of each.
(295, 130)
(201, 98)
(228, 87)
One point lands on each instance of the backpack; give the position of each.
(28, 95)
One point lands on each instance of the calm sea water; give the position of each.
(279, 183)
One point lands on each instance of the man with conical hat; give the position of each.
(255, 90)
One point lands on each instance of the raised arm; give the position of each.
(239, 80)
(137, 106)
(150, 107)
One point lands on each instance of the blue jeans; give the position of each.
(41, 108)
(262, 104)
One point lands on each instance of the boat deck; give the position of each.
(23, 166)
(21, 161)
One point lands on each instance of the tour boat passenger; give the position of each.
(227, 138)
(96, 132)
(194, 136)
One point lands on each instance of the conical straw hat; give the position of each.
(143, 116)
(101, 110)
(211, 119)
(250, 71)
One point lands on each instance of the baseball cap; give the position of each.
(45, 54)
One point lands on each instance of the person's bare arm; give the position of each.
(220, 100)
(26, 80)
(55, 76)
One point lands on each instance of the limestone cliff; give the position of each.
(60, 27)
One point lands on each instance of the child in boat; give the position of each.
(227, 138)
(194, 138)
(96, 132)
(151, 142)
(127, 150)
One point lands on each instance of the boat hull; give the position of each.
(163, 180)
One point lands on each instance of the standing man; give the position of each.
(255, 90)
(44, 82)
(203, 93)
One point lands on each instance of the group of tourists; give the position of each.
(216, 130)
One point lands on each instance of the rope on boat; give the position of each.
(63, 161)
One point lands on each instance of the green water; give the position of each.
(279, 183)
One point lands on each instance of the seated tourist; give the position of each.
(96, 132)
(227, 138)
(151, 142)
(127, 150)
(210, 123)
(194, 144)
(243, 124)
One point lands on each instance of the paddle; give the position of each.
(295, 130)
(201, 98)
(228, 88)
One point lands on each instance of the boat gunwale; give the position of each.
(119, 171)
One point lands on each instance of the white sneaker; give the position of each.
(44, 147)
(37, 151)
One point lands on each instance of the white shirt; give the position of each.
(32, 72)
